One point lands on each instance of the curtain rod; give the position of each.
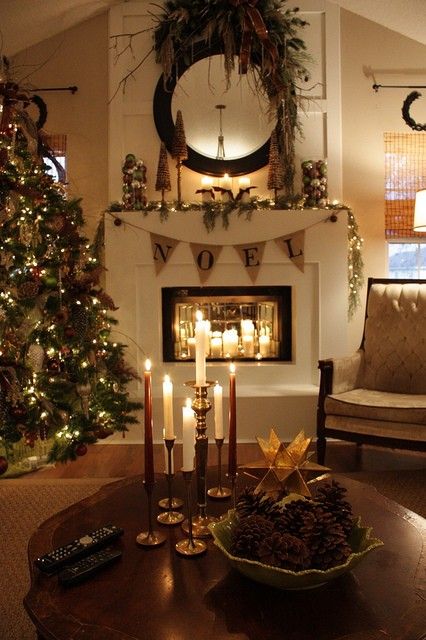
(376, 87)
(73, 89)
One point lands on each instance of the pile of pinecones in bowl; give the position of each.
(295, 533)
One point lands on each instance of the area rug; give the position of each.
(25, 505)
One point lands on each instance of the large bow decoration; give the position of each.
(253, 23)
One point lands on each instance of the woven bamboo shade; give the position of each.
(405, 173)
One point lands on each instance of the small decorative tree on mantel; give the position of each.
(179, 152)
(275, 170)
(162, 182)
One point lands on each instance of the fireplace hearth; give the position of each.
(246, 323)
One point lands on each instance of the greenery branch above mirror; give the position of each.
(262, 35)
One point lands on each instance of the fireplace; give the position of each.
(246, 323)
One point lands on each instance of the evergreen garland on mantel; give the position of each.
(212, 211)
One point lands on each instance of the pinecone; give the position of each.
(285, 551)
(28, 289)
(325, 539)
(251, 503)
(295, 515)
(80, 320)
(332, 496)
(248, 535)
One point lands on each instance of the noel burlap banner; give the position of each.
(251, 254)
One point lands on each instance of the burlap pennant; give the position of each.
(162, 249)
(293, 246)
(205, 258)
(251, 256)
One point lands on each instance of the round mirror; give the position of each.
(227, 128)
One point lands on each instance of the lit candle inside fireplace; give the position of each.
(230, 342)
(200, 350)
(218, 411)
(188, 435)
(148, 446)
(216, 344)
(232, 438)
(191, 347)
(168, 408)
(248, 345)
(264, 345)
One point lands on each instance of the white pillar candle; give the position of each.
(188, 436)
(206, 183)
(216, 344)
(264, 345)
(226, 182)
(244, 183)
(248, 345)
(168, 407)
(191, 347)
(200, 350)
(230, 342)
(218, 411)
(166, 458)
(247, 328)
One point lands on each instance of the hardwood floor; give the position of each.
(122, 460)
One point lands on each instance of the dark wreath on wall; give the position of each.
(406, 112)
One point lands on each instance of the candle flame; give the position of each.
(232, 368)
(166, 378)
(148, 365)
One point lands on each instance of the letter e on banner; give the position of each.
(162, 249)
(251, 256)
(205, 258)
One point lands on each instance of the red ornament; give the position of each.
(81, 449)
(53, 366)
(69, 331)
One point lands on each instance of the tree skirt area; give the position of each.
(24, 505)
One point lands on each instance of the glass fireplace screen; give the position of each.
(245, 323)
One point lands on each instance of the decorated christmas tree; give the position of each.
(62, 379)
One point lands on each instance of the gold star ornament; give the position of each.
(284, 469)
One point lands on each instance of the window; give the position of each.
(405, 173)
(54, 156)
(407, 260)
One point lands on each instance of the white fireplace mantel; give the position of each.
(276, 394)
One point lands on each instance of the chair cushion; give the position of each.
(379, 428)
(395, 338)
(378, 405)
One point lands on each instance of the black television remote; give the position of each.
(88, 566)
(54, 561)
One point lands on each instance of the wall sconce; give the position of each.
(420, 211)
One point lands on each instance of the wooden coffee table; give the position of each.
(154, 594)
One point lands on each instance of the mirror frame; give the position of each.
(164, 123)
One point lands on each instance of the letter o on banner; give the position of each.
(205, 258)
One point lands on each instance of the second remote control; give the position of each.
(86, 567)
(54, 561)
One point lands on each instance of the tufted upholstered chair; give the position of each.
(378, 395)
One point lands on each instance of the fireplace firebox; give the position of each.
(246, 323)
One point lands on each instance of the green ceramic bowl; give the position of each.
(360, 541)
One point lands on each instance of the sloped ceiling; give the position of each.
(24, 23)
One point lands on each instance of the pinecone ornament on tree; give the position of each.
(35, 357)
(80, 320)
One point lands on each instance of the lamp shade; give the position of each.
(420, 211)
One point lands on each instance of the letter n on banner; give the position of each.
(293, 246)
(251, 256)
(205, 258)
(162, 249)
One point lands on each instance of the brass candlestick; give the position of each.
(169, 517)
(219, 492)
(150, 538)
(189, 546)
(201, 405)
